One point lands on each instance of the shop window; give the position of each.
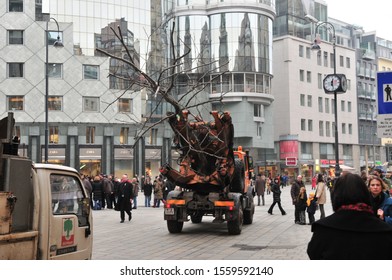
(54, 134)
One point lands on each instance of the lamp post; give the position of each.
(57, 43)
(332, 83)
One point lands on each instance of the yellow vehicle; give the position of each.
(44, 208)
(214, 177)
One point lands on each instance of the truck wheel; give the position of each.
(174, 226)
(235, 226)
(249, 212)
(237, 182)
(197, 217)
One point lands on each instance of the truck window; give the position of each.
(68, 197)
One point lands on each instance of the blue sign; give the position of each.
(384, 92)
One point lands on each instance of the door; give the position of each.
(70, 223)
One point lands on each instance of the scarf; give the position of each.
(357, 207)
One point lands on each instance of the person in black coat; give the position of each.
(275, 188)
(352, 232)
(147, 190)
(125, 196)
(98, 194)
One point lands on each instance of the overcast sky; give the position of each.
(375, 15)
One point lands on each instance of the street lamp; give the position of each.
(57, 43)
(332, 83)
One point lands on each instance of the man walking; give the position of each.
(260, 188)
(125, 196)
(295, 187)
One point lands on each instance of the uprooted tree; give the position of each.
(205, 147)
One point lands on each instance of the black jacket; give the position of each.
(350, 235)
(125, 193)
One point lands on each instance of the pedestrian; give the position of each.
(158, 191)
(321, 194)
(268, 182)
(381, 203)
(300, 205)
(276, 192)
(108, 189)
(311, 207)
(352, 232)
(314, 182)
(378, 172)
(88, 187)
(294, 192)
(147, 191)
(125, 196)
(260, 188)
(135, 184)
(98, 194)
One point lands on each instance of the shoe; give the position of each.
(121, 221)
(134, 207)
(269, 212)
(129, 217)
(296, 222)
(302, 224)
(284, 213)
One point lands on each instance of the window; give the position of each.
(341, 60)
(15, 103)
(343, 128)
(258, 110)
(320, 104)
(153, 136)
(333, 106)
(259, 130)
(301, 51)
(15, 37)
(327, 129)
(310, 125)
(350, 129)
(342, 105)
(348, 62)
(55, 103)
(326, 105)
(15, 5)
(320, 81)
(54, 134)
(349, 106)
(333, 129)
(91, 104)
(54, 36)
(303, 124)
(321, 128)
(90, 134)
(55, 70)
(68, 198)
(90, 72)
(325, 59)
(124, 135)
(301, 75)
(15, 70)
(332, 60)
(308, 51)
(319, 58)
(308, 76)
(125, 105)
(302, 99)
(309, 101)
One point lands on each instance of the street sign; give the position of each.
(384, 96)
(291, 161)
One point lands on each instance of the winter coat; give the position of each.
(321, 193)
(384, 202)
(260, 186)
(301, 202)
(350, 235)
(312, 207)
(275, 189)
(125, 194)
(97, 190)
(295, 190)
(158, 189)
(148, 189)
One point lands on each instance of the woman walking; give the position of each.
(276, 192)
(321, 194)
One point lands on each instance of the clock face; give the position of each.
(331, 83)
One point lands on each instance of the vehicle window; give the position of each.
(68, 197)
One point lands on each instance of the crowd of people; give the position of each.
(107, 191)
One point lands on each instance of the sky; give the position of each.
(375, 15)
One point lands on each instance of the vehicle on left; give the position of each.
(45, 211)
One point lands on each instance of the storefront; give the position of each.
(55, 155)
(123, 161)
(90, 161)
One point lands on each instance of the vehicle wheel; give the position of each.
(248, 214)
(174, 226)
(237, 183)
(234, 227)
(197, 217)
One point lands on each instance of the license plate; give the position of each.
(169, 211)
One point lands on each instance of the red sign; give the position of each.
(291, 161)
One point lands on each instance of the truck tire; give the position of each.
(197, 217)
(248, 215)
(235, 227)
(237, 183)
(174, 226)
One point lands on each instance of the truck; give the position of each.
(214, 178)
(45, 211)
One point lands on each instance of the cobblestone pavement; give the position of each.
(270, 237)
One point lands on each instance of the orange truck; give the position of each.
(44, 208)
(213, 178)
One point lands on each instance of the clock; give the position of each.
(335, 83)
